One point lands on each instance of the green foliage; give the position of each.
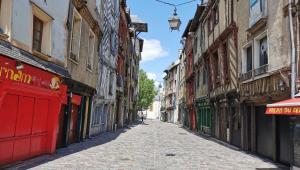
(146, 91)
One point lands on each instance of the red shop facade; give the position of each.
(30, 102)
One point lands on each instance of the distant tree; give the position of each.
(147, 91)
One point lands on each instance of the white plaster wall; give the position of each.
(278, 36)
(155, 113)
(22, 24)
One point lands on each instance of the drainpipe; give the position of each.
(293, 57)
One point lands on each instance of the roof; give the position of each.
(139, 24)
(11, 51)
(187, 28)
(198, 13)
(172, 65)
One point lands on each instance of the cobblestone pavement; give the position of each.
(153, 145)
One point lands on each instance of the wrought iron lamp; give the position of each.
(174, 21)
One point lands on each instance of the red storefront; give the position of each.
(30, 102)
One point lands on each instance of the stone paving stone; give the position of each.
(153, 146)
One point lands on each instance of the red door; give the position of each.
(73, 124)
(24, 127)
(60, 127)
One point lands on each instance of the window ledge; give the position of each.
(41, 55)
(258, 25)
(3, 36)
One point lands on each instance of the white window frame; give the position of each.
(244, 56)
(91, 55)
(46, 43)
(71, 38)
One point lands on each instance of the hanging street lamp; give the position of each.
(174, 21)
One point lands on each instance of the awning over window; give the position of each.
(286, 107)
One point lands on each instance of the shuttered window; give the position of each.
(37, 34)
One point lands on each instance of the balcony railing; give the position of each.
(256, 72)
(247, 76)
(261, 70)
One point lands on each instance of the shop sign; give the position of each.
(13, 70)
(284, 110)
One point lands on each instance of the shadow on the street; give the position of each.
(73, 148)
(232, 147)
(268, 168)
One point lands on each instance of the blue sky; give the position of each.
(161, 45)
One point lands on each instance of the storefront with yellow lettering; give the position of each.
(30, 100)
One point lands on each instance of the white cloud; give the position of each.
(152, 50)
(151, 76)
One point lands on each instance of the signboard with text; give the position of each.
(23, 73)
(283, 110)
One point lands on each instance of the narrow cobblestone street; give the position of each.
(153, 145)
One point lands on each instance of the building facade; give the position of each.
(123, 53)
(83, 41)
(203, 113)
(182, 89)
(264, 69)
(171, 92)
(104, 101)
(32, 61)
(220, 47)
(190, 76)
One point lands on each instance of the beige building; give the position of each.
(82, 63)
(171, 90)
(181, 88)
(264, 51)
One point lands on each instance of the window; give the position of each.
(215, 15)
(217, 68)
(37, 34)
(41, 32)
(111, 79)
(91, 49)
(112, 42)
(249, 59)
(204, 77)
(225, 61)
(195, 44)
(263, 54)
(116, 5)
(210, 23)
(97, 115)
(257, 11)
(198, 78)
(75, 36)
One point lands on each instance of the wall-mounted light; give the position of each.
(281, 85)
(19, 65)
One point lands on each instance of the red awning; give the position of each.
(286, 107)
